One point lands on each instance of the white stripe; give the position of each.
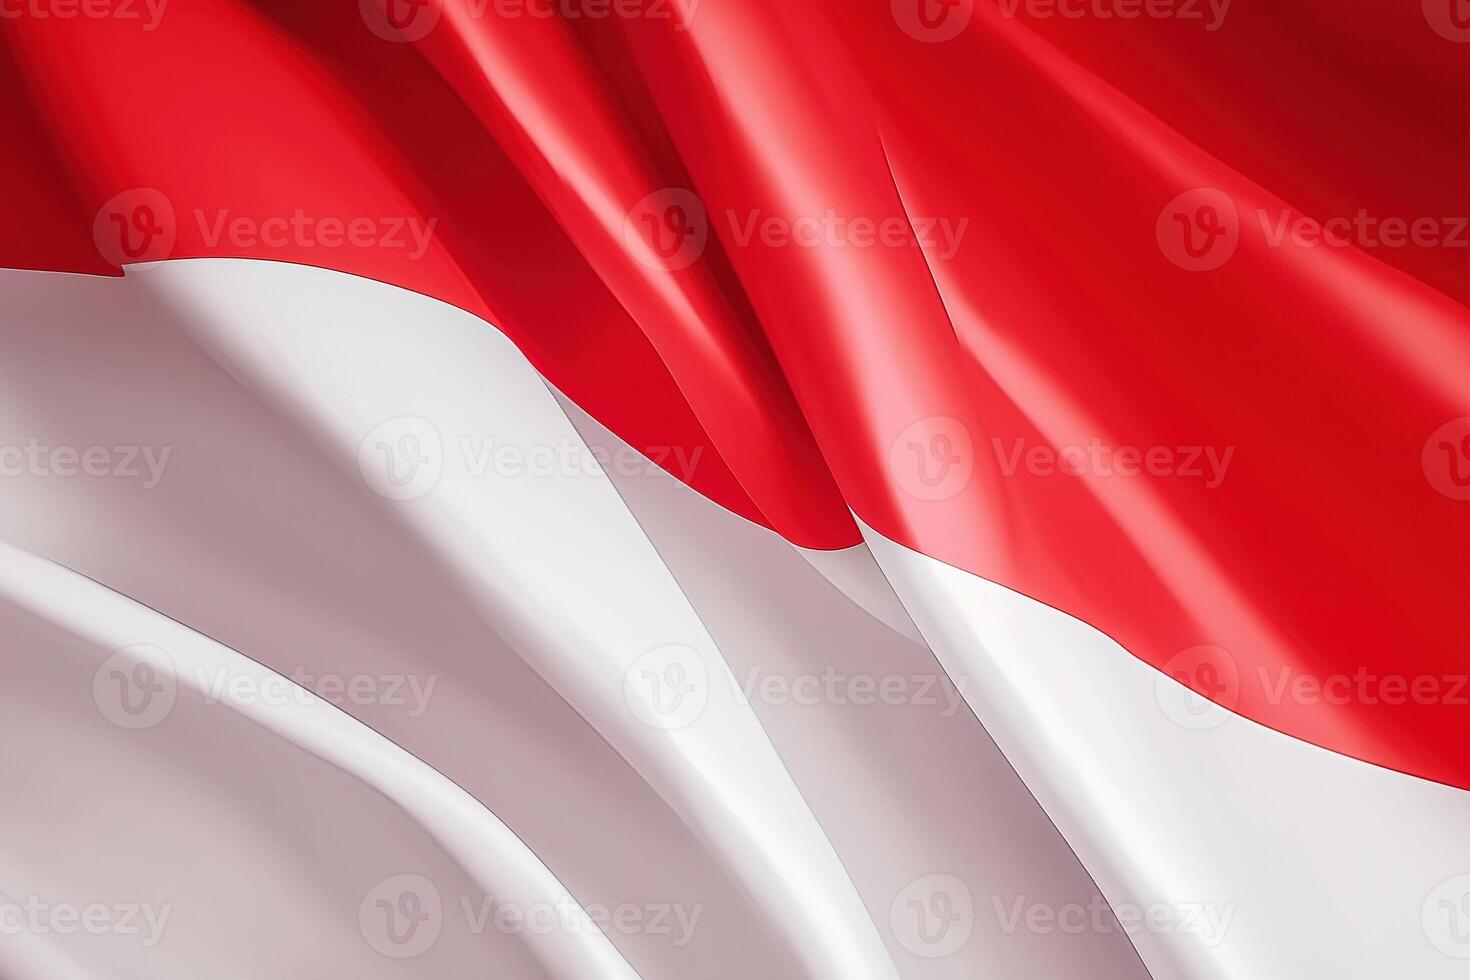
(551, 570)
(1291, 860)
(532, 598)
(493, 857)
(912, 791)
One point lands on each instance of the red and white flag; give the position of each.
(726, 488)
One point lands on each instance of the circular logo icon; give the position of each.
(1199, 230)
(135, 687)
(668, 229)
(1198, 687)
(1446, 917)
(1449, 18)
(933, 21)
(135, 226)
(933, 459)
(403, 458)
(933, 916)
(1446, 459)
(401, 916)
(667, 687)
(401, 21)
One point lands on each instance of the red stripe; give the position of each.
(1334, 545)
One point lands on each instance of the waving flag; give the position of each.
(698, 488)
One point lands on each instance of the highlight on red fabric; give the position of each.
(1160, 320)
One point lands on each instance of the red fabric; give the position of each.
(1332, 537)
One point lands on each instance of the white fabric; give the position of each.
(669, 711)
(1292, 861)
